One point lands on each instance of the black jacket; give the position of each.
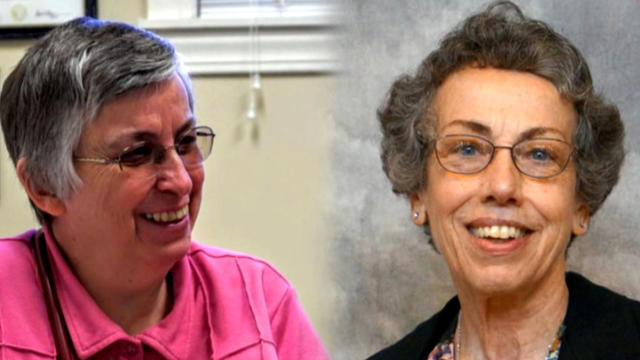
(600, 325)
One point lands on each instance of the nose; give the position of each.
(503, 180)
(173, 175)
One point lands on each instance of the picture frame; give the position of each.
(29, 19)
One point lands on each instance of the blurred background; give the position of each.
(291, 88)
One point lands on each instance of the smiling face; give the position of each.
(499, 230)
(120, 222)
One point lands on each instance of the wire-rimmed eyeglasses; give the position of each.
(469, 154)
(193, 147)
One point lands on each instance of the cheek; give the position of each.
(103, 199)
(447, 197)
(197, 179)
(555, 201)
(118, 195)
(447, 193)
(124, 200)
(556, 208)
(101, 188)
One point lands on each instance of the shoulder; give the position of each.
(222, 260)
(17, 264)
(600, 321)
(15, 248)
(252, 303)
(249, 275)
(592, 301)
(24, 326)
(216, 255)
(419, 342)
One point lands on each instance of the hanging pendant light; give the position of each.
(255, 99)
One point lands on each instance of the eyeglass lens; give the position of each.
(468, 154)
(193, 148)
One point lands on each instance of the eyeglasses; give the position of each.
(537, 158)
(193, 147)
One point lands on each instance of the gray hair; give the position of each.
(60, 84)
(502, 37)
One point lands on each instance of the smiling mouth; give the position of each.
(497, 232)
(167, 216)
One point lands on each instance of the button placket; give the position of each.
(131, 351)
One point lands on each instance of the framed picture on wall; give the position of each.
(23, 19)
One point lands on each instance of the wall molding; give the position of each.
(288, 45)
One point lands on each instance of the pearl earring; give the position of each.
(416, 215)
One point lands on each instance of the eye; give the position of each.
(540, 155)
(136, 155)
(466, 149)
(542, 152)
(186, 143)
(463, 148)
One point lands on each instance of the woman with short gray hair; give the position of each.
(98, 120)
(505, 151)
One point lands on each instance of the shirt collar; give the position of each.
(91, 329)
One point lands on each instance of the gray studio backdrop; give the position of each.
(387, 278)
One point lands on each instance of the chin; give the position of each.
(178, 249)
(169, 253)
(496, 280)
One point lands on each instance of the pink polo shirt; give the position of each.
(227, 305)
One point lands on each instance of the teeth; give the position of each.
(497, 232)
(168, 215)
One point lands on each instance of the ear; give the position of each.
(580, 219)
(419, 214)
(42, 199)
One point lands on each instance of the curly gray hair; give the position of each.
(60, 84)
(502, 37)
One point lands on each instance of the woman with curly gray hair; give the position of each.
(505, 151)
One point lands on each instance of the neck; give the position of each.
(133, 297)
(134, 309)
(512, 326)
(137, 311)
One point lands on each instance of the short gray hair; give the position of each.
(502, 37)
(60, 84)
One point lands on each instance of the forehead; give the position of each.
(504, 101)
(158, 109)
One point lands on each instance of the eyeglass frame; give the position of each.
(434, 147)
(118, 159)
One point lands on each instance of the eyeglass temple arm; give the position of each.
(94, 160)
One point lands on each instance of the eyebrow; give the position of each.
(471, 125)
(484, 130)
(538, 131)
(136, 135)
(188, 125)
